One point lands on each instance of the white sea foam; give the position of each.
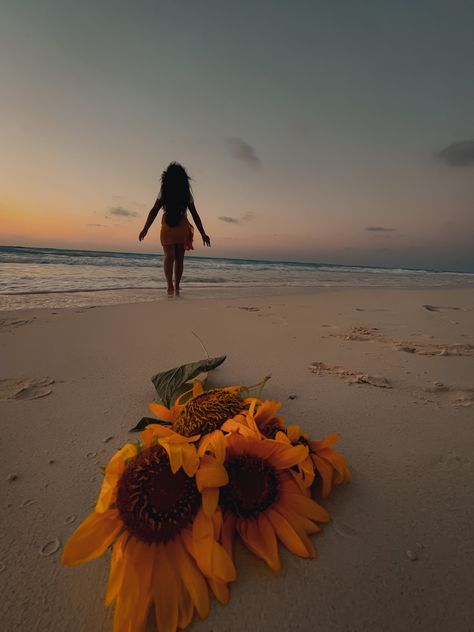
(50, 277)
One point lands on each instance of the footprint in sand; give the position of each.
(7, 324)
(350, 377)
(373, 334)
(50, 547)
(343, 529)
(26, 388)
(439, 308)
(463, 397)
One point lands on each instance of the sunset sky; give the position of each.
(318, 131)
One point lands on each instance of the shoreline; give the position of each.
(71, 299)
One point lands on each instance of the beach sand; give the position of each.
(391, 370)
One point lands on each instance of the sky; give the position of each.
(339, 132)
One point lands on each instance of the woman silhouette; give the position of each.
(176, 231)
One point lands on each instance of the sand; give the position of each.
(391, 370)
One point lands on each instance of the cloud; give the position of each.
(241, 150)
(101, 225)
(248, 217)
(228, 220)
(122, 212)
(379, 229)
(460, 154)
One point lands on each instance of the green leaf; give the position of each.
(169, 382)
(146, 421)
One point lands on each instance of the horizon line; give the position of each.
(314, 263)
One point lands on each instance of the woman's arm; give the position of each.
(197, 220)
(151, 218)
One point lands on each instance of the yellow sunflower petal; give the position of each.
(185, 604)
(192, 578)
(211, 475)
(327, 442)
(165, 591)
(282, 436)
(190, 459)
(293, 432)
(113, 471)
(326, 472)
(305, 475)
(198, 388)
(304, 506)
(214, 443)
(228, 534)
(210, 498)
(259, 537)
(200, 542)
(299, 522)
(134, 597)
(223, 568)
(117, 567)
(252, 424)
(155, 430)
(210, 556)
(161, 411)
(237, 427)
(220, 590)
(278, 454)
(267, 410)
(217, 522)
(303, 527)
(338, 462)
(175, 455)
(287, 534)
(92, 538)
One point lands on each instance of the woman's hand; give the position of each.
(206, 240)
(142, 235)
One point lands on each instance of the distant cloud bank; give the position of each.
(122, 212)
(228, 220)
(460, 154)
(379, 229)
(241, 150)
(248, 217)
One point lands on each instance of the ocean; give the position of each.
(51, 277)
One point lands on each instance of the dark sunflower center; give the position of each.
(207, 412)
(253, 486)
(301, 441)
(155, 504)
(270, 429)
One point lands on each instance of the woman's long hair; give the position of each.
(175, 193)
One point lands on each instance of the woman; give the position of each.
(176, 231)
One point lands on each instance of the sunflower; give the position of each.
(165, 546)
(266, 416)
(204, 411)
(259, 418)
(262, 502)
(330, 466)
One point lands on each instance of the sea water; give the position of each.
(51, 277)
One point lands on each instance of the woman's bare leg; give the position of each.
(168, 262)
(178, 265)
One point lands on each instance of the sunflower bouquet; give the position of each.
(213, 466)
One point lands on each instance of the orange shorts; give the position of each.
(181, 234)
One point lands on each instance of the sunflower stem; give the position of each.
(201, 343)
(260, 385)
